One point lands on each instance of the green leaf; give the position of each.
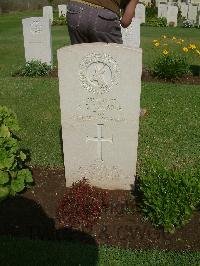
(4, 192)
(4, 177)
(4, 131)
(17, 185)
(26, 175)
(22, 156)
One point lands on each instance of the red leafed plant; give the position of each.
(82, 205)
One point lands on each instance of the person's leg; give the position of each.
(105, 27)
(77, 22)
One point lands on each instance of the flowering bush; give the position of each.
(173, 57)
(188, 23)
(82, 205)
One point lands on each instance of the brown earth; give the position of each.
(33, 215)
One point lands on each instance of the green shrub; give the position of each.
(33, 68)
(169, 197)
(151, 12)
(14, 177)
(156, 22)
(60, 21)
(170, 66)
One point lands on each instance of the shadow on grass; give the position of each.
(22, 220)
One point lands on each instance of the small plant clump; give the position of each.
(33, 68)
(82, 205)
(168, 197)
(14, 176)
(188, 23)
(60, 21)
(173, 57)
(156, 22)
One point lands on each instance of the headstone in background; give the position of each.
(140, 12)
(161, 2)
(37, 39)
(48, 12)
(162, 11)
(192, 13)
(131, 35)
(100, 105)
(172, 15)
(62, 10)
(184, 10)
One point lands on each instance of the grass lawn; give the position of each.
(22, 252)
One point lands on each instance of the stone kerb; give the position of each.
(37, 39)
(100, 88)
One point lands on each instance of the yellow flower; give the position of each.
(185, 49)
(192, 46)
(165, 52)
(173, 38)
(164, 37)
(182, 40)
(198, 52)
(157, 44)
(178, 42)
(155, 40)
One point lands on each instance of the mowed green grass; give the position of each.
(22, 252)
(170, 133)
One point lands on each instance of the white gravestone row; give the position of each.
(162, 11)
(184, 10)
(131, 35)
(172, 15)
(100, 104)
(48, 12)
(37, 39)
(140, 12)
(62, 10)
(192, 13)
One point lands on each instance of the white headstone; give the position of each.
(172, 15)
(100, 104)
(62, 10)
(48, 12)
(162, 11)
(140, 12)
(37, 39)
(184, 10)
(131, 35)
(192, 13)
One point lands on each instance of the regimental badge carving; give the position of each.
(36, 27)
(98, 73)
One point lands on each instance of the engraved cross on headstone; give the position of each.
(99, 139)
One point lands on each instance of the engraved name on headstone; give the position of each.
(99, 88)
